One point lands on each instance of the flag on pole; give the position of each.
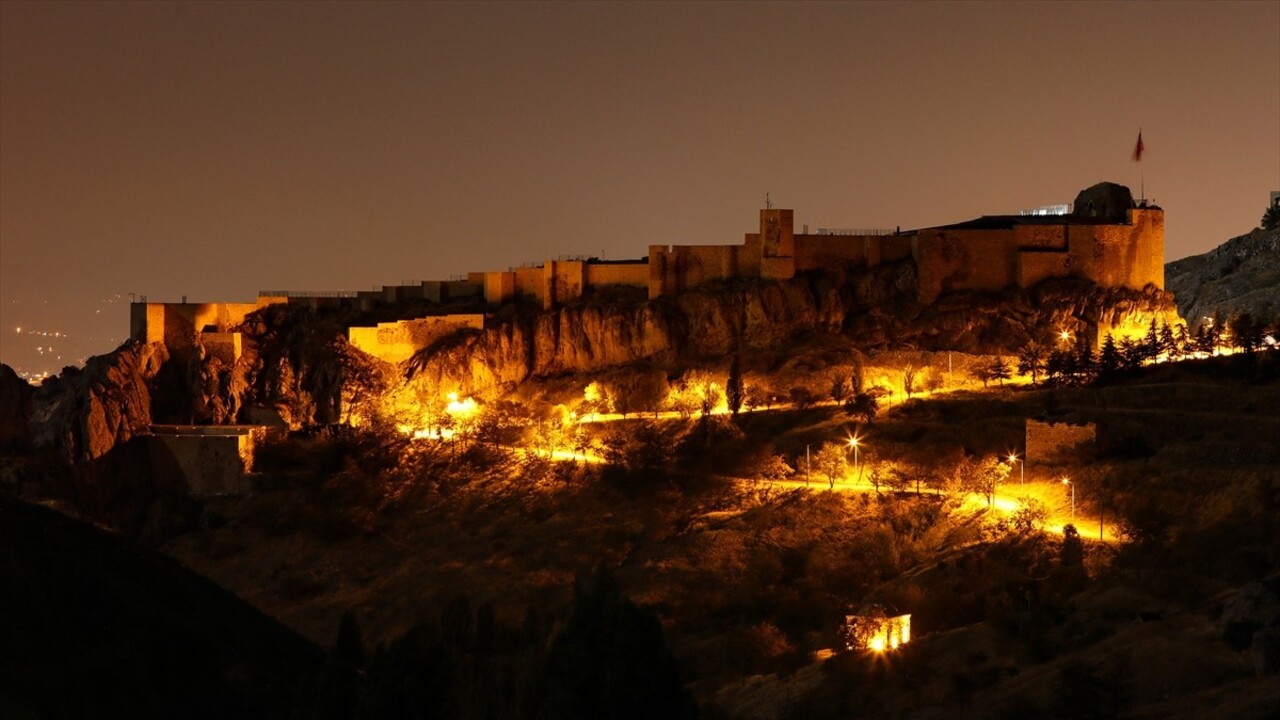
(1137, 149)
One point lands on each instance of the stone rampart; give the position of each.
(178, 324)
(395, 342)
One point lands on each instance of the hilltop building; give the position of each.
(1106, 238)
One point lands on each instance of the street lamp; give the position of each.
(1065, 481)
(1013, 458)
(853, 443)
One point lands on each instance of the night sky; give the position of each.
(215, 150)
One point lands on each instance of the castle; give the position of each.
(1106, 238)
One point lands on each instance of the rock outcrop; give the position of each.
(83, 414)
(15, 409)
(1240, 275)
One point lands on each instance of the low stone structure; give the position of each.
(207, 459)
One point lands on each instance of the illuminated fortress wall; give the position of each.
(395, 342)
(180, 325)
(1107, 239)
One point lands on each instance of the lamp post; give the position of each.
(806, 465)
(1013, 458)
(1065, 481)
(853, 443)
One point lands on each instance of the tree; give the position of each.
(775, 468)
(984, 477)
(1151, 343)
(610, 661)
(900, 481)
(1168, 343)
(1031, 360)
(839, 389)
(734, 390)
(862, 405)
(801, 398)
(1271, 217)
(1085, 360)
(832, 461)
(1109, 360)
(1245, 333)
(909, 380)
(1185, 342)
(1000, 370)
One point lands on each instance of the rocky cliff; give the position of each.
(874, 309)
(1240, 275)
(84, 413)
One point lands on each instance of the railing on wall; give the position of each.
(308, 293)
(854, 231)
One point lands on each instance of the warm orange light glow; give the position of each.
(463, 408)
(1064, 335)
(877, 643)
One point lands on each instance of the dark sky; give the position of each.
(218, 149)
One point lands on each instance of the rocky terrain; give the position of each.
(1240, 275)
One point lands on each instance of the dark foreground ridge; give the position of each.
(95, 627)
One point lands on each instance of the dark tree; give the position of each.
(1109, 360)
(1271, 218)
(863, 406)
(734, 390)
(1031, 361)
(1245, 333)
(610, 662)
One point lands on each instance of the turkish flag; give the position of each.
(1137, 149)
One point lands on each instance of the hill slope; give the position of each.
(95, 627)
(1240, 275)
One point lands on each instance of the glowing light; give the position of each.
(464, 408)
(877, 643)
(1064, 335)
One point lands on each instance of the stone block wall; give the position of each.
(395, 342)
(210, 460)
(177, 324)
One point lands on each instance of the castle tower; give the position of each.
(777, 244)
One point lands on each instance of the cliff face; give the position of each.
(84, 414)
(702, 324)
(1240, 275)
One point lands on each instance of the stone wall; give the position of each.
(1052, 445)
(1128, 254)
(207, 460)
(226, 346)
(395, 342)
(177, 324)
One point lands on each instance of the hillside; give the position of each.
(95, 627)
(751, 576)
(1240, 275)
